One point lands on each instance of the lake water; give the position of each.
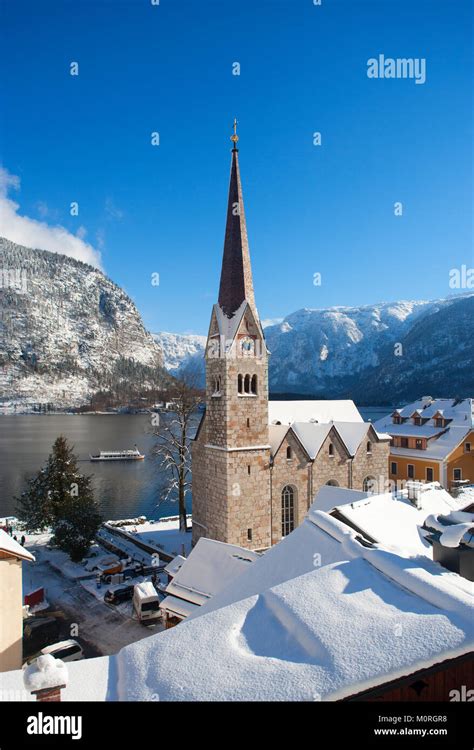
(123, 489)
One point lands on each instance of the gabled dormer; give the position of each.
(439, 419)
(397, 416)
(417, 418)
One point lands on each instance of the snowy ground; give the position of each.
(164, 535)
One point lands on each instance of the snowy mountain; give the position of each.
(67, 332)
(181, 351)
(388, 352)
(383, 353)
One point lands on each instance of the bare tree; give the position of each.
(174, 432)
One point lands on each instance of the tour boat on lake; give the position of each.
(130, 455)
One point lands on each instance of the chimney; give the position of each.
(452, 537)
(49, 695)
(45, 678)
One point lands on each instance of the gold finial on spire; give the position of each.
(234, 138)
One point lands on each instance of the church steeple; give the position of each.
(231, 451)
(236, 283)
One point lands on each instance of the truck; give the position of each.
(146, 602)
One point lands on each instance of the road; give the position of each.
(100, 630)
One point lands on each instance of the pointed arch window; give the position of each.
(331, 449)
(287, 510)
(247, 384)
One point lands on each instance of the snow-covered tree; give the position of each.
(61, 498)
(174, 433)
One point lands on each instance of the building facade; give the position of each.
(12, 555)
(432, 440)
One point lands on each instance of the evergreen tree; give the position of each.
(77, 527)
(61, 498)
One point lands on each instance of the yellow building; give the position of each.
(12, 555)
(432, 440)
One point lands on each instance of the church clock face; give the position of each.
(248, 346)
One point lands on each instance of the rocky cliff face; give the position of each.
(67, 331)
(181, 352)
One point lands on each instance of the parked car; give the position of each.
(117, 596)
(69, 650)
(39, 632)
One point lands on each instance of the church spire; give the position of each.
(236, 275)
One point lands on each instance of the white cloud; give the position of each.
(38, 234)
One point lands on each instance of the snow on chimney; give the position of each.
(45, 678)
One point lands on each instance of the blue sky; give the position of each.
(326, 209)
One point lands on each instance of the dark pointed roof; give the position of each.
(236, 275)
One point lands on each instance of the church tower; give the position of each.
(231, 453)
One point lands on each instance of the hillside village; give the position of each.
(328, 558)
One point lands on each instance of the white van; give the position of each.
(69, 650)
(146, 602)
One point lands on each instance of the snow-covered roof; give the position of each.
(328, 497)
(461, 414)
(180, 607)
(412, 430)
(439, 448)
(210, 567)
(352, 434)
(10, 547)
(288, 412)
(456, 527)
(340, 629)
(329, 617)
(395, 522)
(145, 590)
(457, 533)
(276, 435)
(311, 435)
(175, 564)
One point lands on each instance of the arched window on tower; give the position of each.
(253, 385)
(247, 384)
(287, 510)
(239, 383)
